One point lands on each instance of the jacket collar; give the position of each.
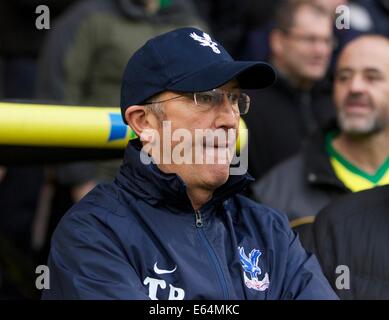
(318, 169)
(152, 185)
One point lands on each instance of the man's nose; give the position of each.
(322, 48)
(319, 46)
(357, 84)
(226, 115)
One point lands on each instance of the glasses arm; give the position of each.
(160, 101)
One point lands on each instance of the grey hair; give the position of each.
(155, 107)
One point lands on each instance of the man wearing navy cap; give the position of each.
(173, 224)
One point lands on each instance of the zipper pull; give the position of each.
(199, 221)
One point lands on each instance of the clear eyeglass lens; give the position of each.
(244, 103)
(209, 99)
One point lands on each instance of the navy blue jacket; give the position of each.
(139, 238)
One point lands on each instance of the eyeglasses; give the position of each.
(206, 100)
(310, 40)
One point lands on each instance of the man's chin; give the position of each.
(359, 127)
(315, 74)
(218, 157)
(215, 175)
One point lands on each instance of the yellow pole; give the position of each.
(62, 126)
(29, 124)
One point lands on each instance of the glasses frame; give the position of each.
(194, 97)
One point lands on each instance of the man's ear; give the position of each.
(276, 40)
(137, 119)
(141, 121)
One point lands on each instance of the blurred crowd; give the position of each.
(320, 133)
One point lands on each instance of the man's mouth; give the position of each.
(357, 107)
(316, 63)
(216, 143)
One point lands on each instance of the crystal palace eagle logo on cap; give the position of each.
(206, 41)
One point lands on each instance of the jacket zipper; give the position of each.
(211, 252)
(199, 221)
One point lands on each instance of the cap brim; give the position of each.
(250, 75)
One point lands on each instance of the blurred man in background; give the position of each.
(299, 103)
(348, 157)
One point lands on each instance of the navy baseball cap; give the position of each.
(186, 60)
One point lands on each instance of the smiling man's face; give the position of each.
(361, 87)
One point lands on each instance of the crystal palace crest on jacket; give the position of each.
(250, 267)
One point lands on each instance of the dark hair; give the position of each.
(286, 13)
